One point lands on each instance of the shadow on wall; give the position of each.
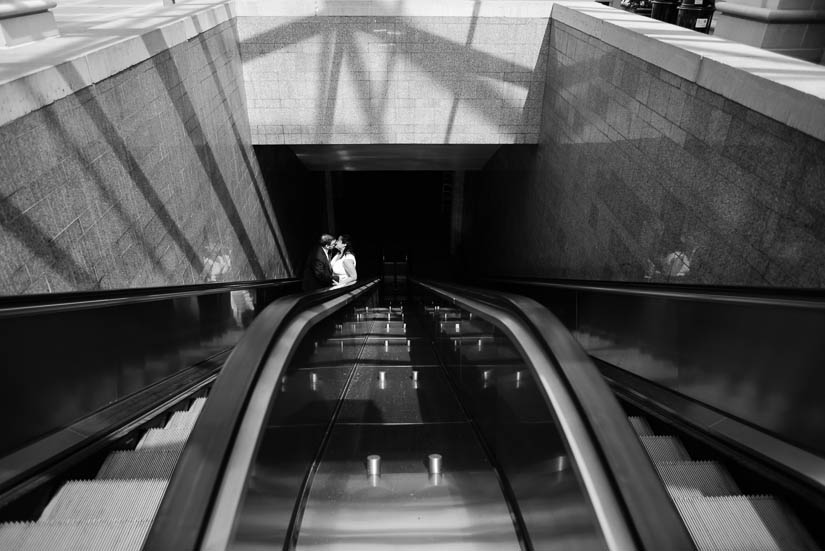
(457, 94)
(139, 180)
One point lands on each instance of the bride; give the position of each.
(343, 264)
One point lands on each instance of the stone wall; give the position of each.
(642, 175)
(393, 79)
(146, 178)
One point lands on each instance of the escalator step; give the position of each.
(75, 536)
(664, 448)
(132, 500)
(746, 523)
(197, 406)
(182, 420)
(167, 439)
(12, 534)
(689, 479)
(641, 426)
(135, 464)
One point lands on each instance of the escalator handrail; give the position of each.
(24, 305)
(186, 505)
(654, 517)
(789, 298)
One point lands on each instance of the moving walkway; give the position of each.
(459, 418)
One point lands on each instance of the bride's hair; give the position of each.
(347, 241)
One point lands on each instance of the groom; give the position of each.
(317, 271)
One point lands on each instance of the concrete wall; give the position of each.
(393, 79)
(641, 174)
(145, 178)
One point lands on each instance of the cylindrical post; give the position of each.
(382, 380)
(374, 465)
(434, 463)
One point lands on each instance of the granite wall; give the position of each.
(640, 175)
(146, 178)
(357, 79)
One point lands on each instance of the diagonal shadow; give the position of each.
(327, 100)
(277, 235)
(374, 115)
(470, 35)
(131, 166)
(103, 188)
(27, 232)
(296, 31)
(171, 77)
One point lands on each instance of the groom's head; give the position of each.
(327, 241)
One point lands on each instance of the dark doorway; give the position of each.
(393, 215)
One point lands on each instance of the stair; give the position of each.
(717, 515)
(115, 510)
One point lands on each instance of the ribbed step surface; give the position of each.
(182, 420)
(164, 439)
(664, 448)
(74, 536)
(131, 464)
(106, 500)
(690, 479)
(743, 523)
(197, 406)
(641, 426)
(114, 511)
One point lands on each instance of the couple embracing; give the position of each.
(331, 263)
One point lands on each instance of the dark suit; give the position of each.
(317, 271)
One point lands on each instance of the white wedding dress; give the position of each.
(339, 270)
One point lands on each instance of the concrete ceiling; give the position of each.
(387, 157)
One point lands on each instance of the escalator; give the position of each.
(455, 418)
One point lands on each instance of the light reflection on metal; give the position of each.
(374, 465)
(313, 379)
(518, 379)
(434, 463)
(414, 374)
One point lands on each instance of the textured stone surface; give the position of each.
(642, 175)
(393, 79)
(146, 178)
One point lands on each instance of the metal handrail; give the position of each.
(720, 295)
(648, 505)
(60, 302)
(187, 503)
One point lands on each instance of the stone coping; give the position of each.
(788, 90)
(97, 41)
